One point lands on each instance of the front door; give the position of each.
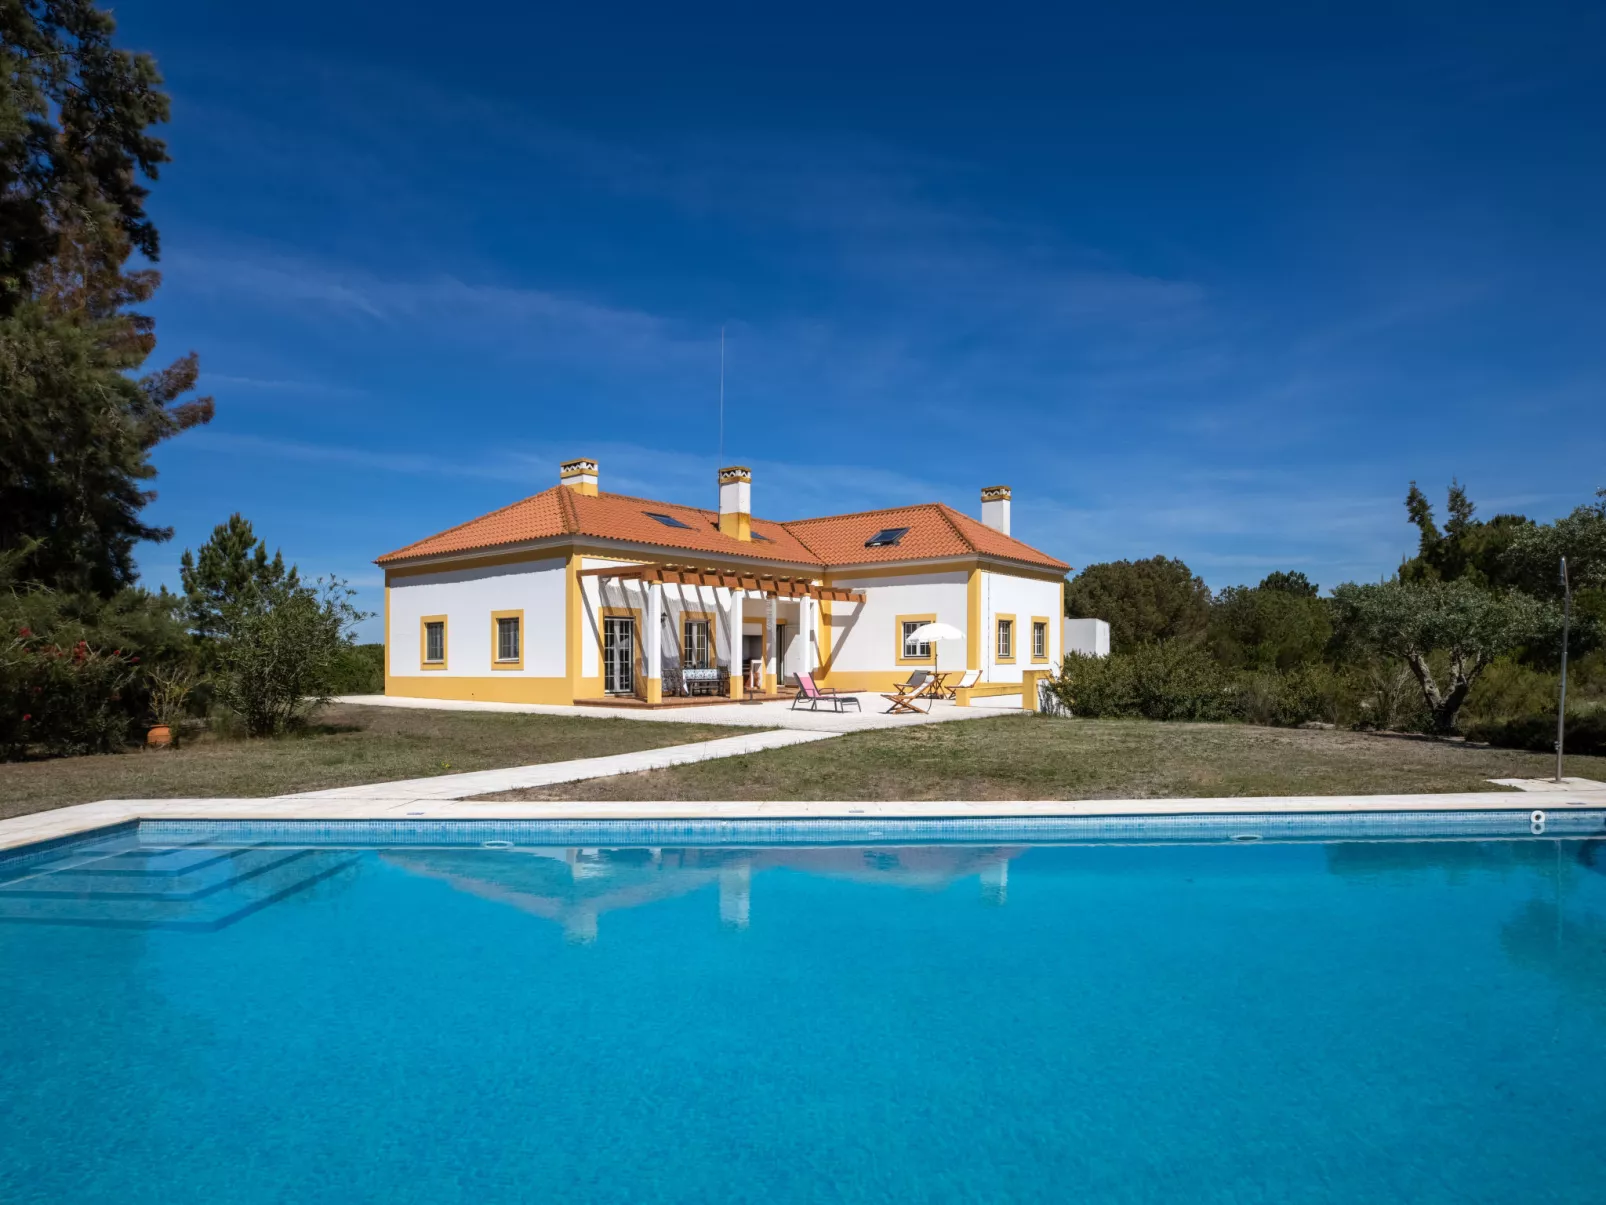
(618, 655)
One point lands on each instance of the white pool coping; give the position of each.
(86, 817)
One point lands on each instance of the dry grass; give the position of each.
(1027, 758)
(346, 746)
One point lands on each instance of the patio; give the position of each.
(765, 713)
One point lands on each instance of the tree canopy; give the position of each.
(1278, 624)
(1466, 547)
(1468, 625)
(231, 571)
(1143, 601)
(76, 426)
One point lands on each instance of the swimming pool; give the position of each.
(1245, 1009)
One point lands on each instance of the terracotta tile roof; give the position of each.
(934, 531)
(561, 511)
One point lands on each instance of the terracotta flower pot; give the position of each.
(159, 737)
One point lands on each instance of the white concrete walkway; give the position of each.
(871, 713)
(61, 822)
(486, 782)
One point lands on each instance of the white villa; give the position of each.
(576, 595)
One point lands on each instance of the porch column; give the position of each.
(771, 662)
(652, 642)
(733, 641)
(805, 635)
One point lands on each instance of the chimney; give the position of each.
(995, 507)
(736, 502)
(579, 475)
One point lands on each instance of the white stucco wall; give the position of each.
(1088, 636)
(1023, 598)
(467, 597)
(864, 636)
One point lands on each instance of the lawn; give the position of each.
(344, 747)
(1022, 757)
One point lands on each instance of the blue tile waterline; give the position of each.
(1349, 1009)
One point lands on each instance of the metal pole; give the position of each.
(1561, 707)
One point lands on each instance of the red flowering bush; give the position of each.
(60, 700)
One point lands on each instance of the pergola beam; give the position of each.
(775, 587)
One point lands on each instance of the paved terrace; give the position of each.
(872, 712)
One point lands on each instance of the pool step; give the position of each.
(195, 886)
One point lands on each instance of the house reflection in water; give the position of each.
(573, 887)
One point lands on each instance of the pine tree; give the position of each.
(232, 572)
(76, 428)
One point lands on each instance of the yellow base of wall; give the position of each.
(504, 688)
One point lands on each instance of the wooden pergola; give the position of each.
(767, 585)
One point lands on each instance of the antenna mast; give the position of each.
(722, 394)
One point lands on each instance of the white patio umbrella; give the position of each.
(932, 633)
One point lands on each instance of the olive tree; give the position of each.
(1468, 625)
(282, 651)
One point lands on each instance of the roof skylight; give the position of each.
(666, 520)
(886, 537)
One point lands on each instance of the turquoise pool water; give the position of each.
(226, 1016)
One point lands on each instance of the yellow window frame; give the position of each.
(423, 642)
(518, 663)
(1014, 639)
(1048, 640)
(897, 628)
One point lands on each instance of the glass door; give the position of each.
(618, 655)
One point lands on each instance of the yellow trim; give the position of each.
(488, 561)
(899, 658)
(494, 689)
(736, 524)
(507, 665)
(1029, 694)
(1048, 641)
(854, 573)
(573, 623)
(989, 690)
(637, 653)
(423, 643)
(713, 635)
(999, 619)
(826, 651)
(973, 635)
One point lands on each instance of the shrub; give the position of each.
(62, 700)
(359, 670)
(1510, 690)
(1586, 732)
(1288, 698)
(280, 656)
(1167, 681)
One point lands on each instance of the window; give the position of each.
(695, 647)
(1039, 640)
(886, 537)
(667, 520)
(432, 642)
(507, 639)
(765, 538)
(914, 650)
(908, 650)
(1006, 639)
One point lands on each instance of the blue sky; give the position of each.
(1214, 281)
